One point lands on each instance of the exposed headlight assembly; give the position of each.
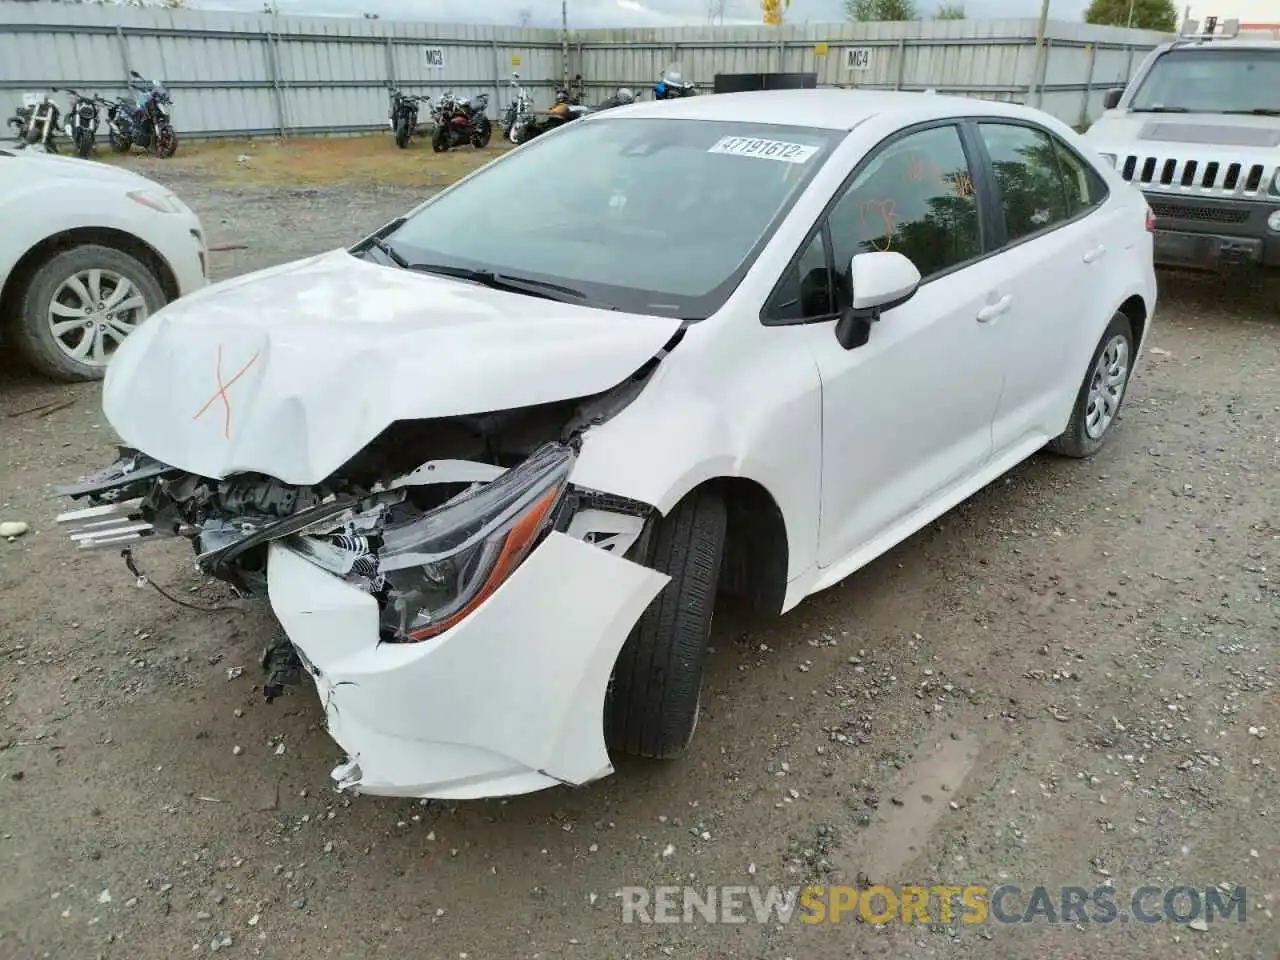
(440, 566)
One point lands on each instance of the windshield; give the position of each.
(1198, 80)
(644, 215)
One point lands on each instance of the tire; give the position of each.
(440, 140)
(484, 133)
(165, 144)
(31, 331)
(84, 143)
(402, 133)
(652, 704)
(1113, 357)
(120, 143)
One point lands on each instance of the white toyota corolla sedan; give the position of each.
(492, 465)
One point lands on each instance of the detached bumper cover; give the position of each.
(508, 701)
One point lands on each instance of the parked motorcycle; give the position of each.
(568, 107)
(119, 123)
(404, 114)
(461, 120)
(145, 124)
(519, 110)
(672, 85)
(36, 122)
(83, 119)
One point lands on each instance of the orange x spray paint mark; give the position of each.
(221, 393)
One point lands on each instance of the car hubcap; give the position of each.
(92, 312)
(1106, 389)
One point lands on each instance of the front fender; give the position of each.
(754, 414)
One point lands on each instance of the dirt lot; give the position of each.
(1069, 680)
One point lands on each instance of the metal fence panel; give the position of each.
(239, 74)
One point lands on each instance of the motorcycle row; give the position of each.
(462, 120)
(142, 121)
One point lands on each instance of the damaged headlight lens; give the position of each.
(440, 566)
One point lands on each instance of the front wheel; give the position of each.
(120, 143)
(84, 142)
(1101, 394)
(402, 133)
(654, 696)
(440, 139)
(482, 134)
(165, 144)
(79, 306)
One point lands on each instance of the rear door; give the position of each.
(1053, 245)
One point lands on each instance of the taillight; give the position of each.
(1151, 221)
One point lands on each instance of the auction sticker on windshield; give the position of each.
(768, 149)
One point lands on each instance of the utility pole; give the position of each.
(564, 42)
(1038, 79)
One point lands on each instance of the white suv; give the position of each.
(1198, 130)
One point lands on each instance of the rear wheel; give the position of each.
(654, 696)
(78, 306)
(1101, 394)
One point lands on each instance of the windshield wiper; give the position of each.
(389, 251)
(1255, 111)
(1159, 110)
(503, 281)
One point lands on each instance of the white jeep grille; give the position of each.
(1210, 178)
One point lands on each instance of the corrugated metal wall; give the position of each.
(233, 74)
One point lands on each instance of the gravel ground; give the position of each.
(1068, 680)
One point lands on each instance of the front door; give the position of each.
(907, 415)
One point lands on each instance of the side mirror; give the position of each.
(135, 74)
(880, 282)
(1111, 99)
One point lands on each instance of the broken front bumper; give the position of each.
(508, 701)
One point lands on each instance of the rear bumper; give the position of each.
(509, 701)
(1209, 234)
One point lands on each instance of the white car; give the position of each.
(87, 253)
(492, 465)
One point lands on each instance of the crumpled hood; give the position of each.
(292, 371)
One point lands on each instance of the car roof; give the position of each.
(832, 109)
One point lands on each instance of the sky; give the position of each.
(661, 13)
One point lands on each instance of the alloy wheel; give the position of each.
(1106, 389)
(92, 312)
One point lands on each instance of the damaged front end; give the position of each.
(503, 588)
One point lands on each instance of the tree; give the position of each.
(525, 16)
(716, 10)
(775, 11)
(1159, 15)
(864, 11)
(949, 11)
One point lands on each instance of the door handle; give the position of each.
(993, 310)
(1094, 254)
